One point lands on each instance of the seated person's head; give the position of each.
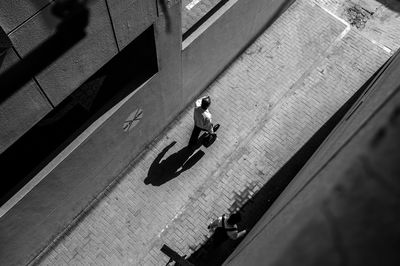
(205, 102)
(234, 218)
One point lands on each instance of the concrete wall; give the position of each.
(64, 75)
(342, 207)
(23, 109)
(15, 12)
(130, 18)
(112, 25)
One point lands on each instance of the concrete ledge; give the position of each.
(192, 37)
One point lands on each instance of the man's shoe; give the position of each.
(215, 128)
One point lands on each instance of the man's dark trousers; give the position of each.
(195, 136)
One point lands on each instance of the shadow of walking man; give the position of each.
(161, 172)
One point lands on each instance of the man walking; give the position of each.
(202, 120)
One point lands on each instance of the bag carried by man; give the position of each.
(210, 138)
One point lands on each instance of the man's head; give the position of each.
(205, 102)
(234, 218)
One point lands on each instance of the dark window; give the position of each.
(124, 73)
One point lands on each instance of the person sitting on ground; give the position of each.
(227, 226)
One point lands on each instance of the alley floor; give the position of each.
(269, 102)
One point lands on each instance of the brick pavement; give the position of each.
(269, 102)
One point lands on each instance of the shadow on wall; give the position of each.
(391, 4)
(2, 57)
(161, 172)
(5, 44)
(164, 9)
(48, 16)
(123, 74)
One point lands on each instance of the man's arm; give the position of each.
(210, 128)
(215, 223)
(241, 233)
(235, 234)
(208, 124)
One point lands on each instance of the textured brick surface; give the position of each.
(269, 102)
(380, 23)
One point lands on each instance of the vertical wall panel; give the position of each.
(68, 72)
(130, 18)
(22, 110)
(4, 41)
(14, 12)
